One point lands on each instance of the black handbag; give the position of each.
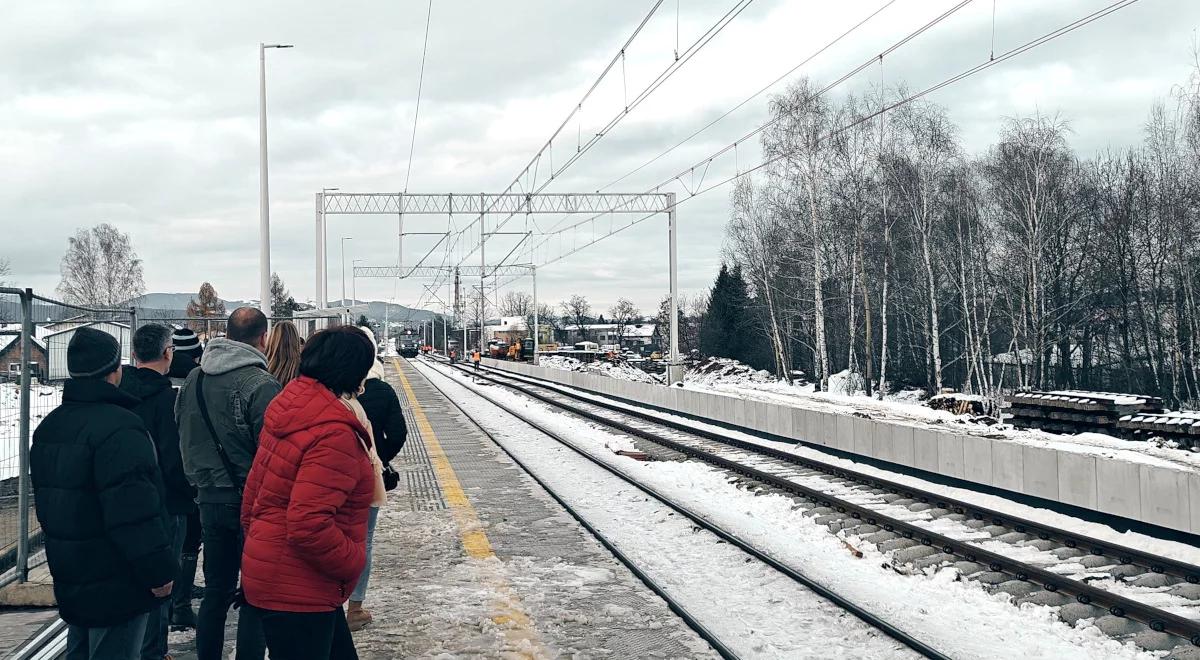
(391, 478)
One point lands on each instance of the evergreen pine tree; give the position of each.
(719, 319)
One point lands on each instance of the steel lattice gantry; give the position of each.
(333, 203)
(483, 204)
(392, 272)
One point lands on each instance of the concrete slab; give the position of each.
(1194, 501)
(756, 415)
(951, 455)
(1118, 488)
(925, 449)
(904, 444)
(977, 459)
(844, 432)
(1165, 498)
(1008, 466)
(1077, 479)
(799, 424)
(779, 421)
(1040, 473)
(864, 436)
(885, 442)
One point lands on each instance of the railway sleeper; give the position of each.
(1013, 580)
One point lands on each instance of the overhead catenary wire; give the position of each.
(662, 78)
(547, 148)
(412, 143)
(884, 108)
(750, 98)
(827, 88)
(420, 86)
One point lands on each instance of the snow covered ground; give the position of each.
(958, 617)
(1179, 551)
(44, 399)
(738, 380)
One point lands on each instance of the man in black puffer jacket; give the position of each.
(152, 351)
(99, 499)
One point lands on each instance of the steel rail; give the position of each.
(832, 596)
(1117, 605)
(688, 618)
(1125, 555)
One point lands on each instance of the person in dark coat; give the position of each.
(99, 498)
(306, 502)
(153, 351)
(186, 358)
(187, 355)
(383, 409)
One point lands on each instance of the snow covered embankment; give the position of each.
(44, 399)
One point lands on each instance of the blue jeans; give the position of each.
(360, 589)
(119, 642)
(154, 642)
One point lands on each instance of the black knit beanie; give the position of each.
(92, 353)
(184, 339)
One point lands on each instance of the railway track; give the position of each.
(725, 651)
(1130, 593)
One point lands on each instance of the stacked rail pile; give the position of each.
(1181, 426)
(1074, 411)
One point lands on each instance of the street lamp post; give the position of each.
(264, 212)
(322, 263)
(344, 239)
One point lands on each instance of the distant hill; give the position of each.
(172, 301)
(394, 313)
(164, 305)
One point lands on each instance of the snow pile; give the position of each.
(598, 368)
(725, 371)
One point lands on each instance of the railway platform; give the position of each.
(473, 559)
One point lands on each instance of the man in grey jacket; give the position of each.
(236, 388)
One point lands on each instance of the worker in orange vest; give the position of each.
(475, 357)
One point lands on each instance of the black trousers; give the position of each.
(221, 531)
(308, 635)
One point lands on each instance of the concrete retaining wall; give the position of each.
(1160, 495)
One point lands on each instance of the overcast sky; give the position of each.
(144, 114)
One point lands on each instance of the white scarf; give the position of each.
(380, 497)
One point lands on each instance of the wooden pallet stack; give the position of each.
(1181, 426)
(1075, 411)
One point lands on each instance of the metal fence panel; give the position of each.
(34, 334)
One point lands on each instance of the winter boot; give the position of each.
(182, 617)
(356, 617)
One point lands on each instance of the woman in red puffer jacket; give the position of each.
(304, 510)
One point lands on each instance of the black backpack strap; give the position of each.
(212, 431)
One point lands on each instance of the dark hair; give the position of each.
(150, 342)
(339, 358)
(247, 325)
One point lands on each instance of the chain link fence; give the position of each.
(34, 334)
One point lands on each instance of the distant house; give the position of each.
(634, 335)
(10, 356)
(513, 328)
(56, 346)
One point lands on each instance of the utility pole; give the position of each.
(264, 205)
(344, 239)
(482, 269)
(674, 364)
(536, 334)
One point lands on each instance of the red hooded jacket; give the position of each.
(305, 506)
